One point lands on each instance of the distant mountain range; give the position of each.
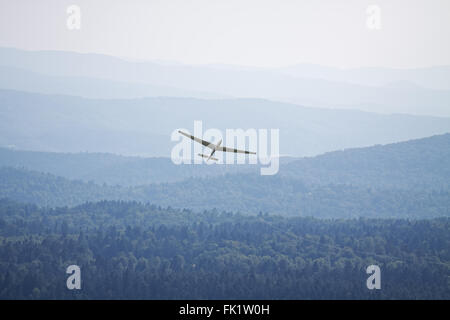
(143, 126)
(24, 80)
(416, 91)
(437, 77)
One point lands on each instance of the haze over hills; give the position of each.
(24, 80)
(70, 102)
(143, 126)
(437, 77)
(311, 85)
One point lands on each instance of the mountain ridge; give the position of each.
(237, 82)
(141, 126)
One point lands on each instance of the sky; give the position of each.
(262, 33)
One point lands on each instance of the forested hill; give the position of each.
(248, 194)
(408, 179)
(45, 189)
(132, 251)
(251, 194)
(421, 164)
(414, 164)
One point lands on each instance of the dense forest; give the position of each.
(132, 250)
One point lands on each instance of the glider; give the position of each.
(214, 147)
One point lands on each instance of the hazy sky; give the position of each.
(414, 33)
